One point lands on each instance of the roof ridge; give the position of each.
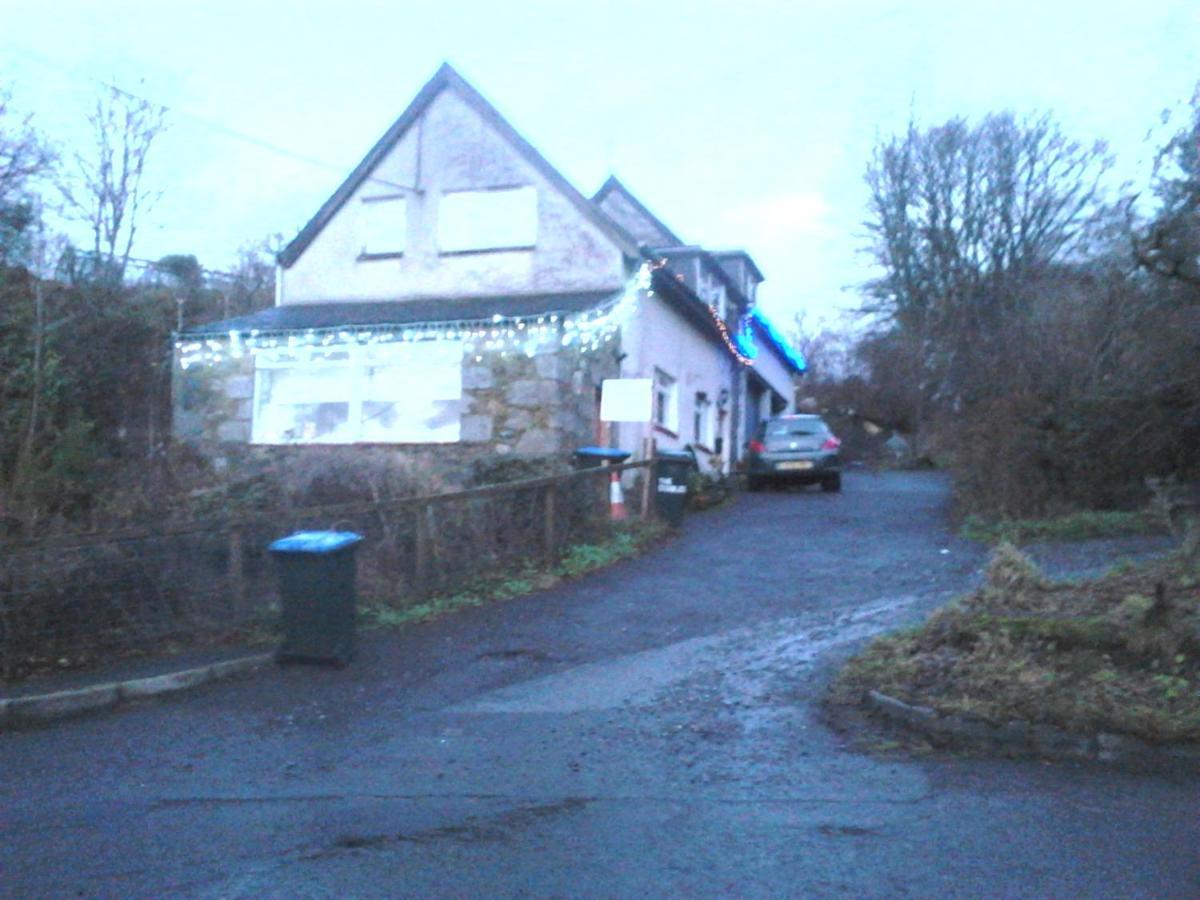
(612, 183)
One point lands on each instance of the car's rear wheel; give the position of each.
(831, 484)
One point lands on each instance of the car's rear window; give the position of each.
(780, 427)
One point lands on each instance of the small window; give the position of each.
(473, 221)
(666, 407)
(702, 421)
(383, 225)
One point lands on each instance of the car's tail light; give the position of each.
(757, 446)
(831, 443)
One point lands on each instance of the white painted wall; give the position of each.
(777, 375)
(658, 337)
(458, 151)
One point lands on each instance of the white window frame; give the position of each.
(482, 221)
(376, 214)
(359, 361)
(666, 401)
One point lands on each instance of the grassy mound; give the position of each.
(1117, 654)
(1079, 526)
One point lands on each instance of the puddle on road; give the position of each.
(747, 659)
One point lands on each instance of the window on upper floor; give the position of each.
(666, 401)
(477, 221)
(383, 225)
(408, 394)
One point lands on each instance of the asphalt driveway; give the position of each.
(648, 730)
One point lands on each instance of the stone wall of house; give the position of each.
(514, 406)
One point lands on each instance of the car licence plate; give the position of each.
(792, 466)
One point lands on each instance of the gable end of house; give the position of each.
(446, 78)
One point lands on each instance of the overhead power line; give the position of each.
(203, 121)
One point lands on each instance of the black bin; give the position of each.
(316, 586)
(594, 457)
(670, 496)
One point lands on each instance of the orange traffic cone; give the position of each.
(616, 499)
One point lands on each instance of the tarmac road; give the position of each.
(646, 731)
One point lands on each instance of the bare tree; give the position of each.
(252, 286)
(24, 158)
(108, 192)
(1170, 244)
(828, 352)
(961, 215)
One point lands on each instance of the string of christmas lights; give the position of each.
(737, 349)
(499, 334)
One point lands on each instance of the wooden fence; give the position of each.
(71, 599)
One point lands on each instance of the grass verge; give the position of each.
(577, 560)
(1077, 526)
(1118, 654)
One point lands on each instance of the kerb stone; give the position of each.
(63, 703)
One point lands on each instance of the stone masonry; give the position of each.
(512, 405)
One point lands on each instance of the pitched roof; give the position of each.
(792, 358)
(713, 264)
(374, 313)
(742, 255)
(676, 245)
(447, 77)
(612, 184)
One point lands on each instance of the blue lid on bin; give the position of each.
(315, 542)
(610, 453)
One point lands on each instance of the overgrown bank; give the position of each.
(577, 560)
(1118, 654)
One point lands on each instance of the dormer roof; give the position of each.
(744, 257)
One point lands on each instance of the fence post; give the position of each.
(426, 550)
(550, 526)
(650, 482)
(237, 571)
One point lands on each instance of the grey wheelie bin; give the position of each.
(670, 496)
(316, 572)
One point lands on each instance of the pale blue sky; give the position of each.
(742, 124)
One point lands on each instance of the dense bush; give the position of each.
(1048, 358)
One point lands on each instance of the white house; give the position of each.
(457, 299)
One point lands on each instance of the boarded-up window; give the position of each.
(383, 225)
(402, 394)
(487, 220)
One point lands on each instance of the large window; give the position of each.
(383, 224)
(407, 393)
(472, 221)
(666, 404)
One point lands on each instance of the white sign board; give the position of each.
(626, 399)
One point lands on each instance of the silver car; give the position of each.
(800, 449)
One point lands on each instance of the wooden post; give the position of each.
(549, 530)
(650, 481)
(236, 571)
(424, 552)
